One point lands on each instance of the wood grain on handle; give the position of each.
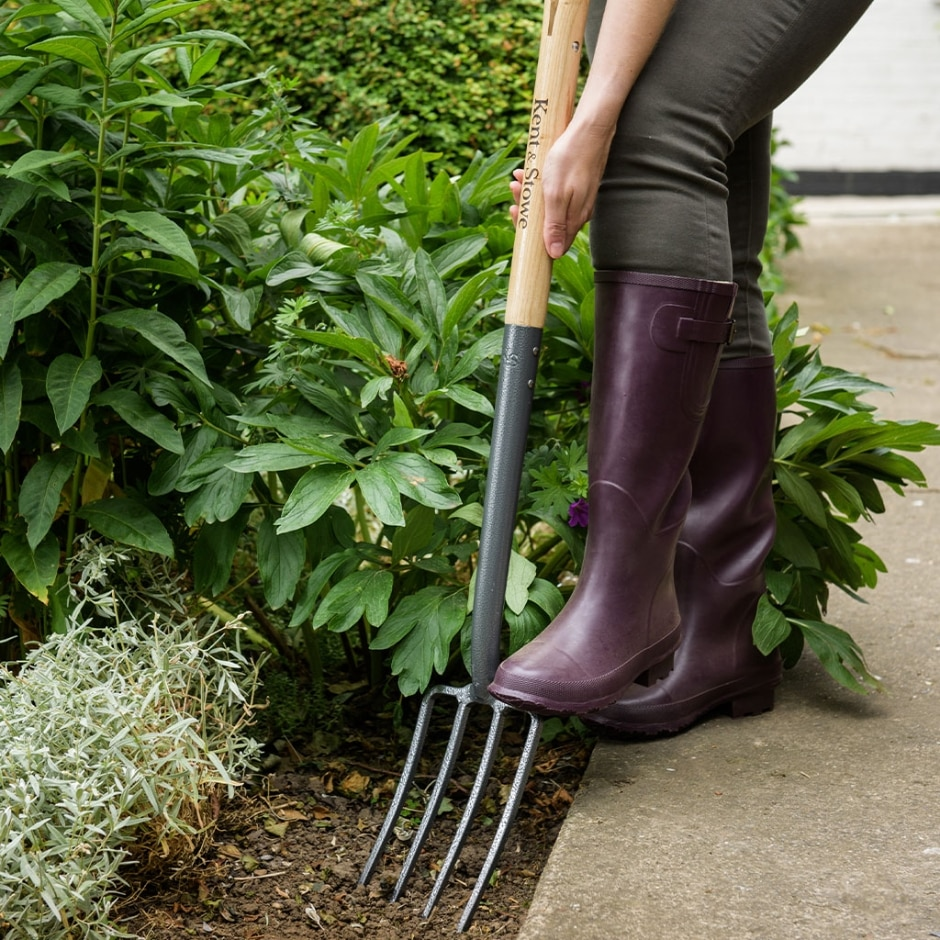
(556, 83)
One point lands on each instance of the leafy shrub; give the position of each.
(270, 354)
(117, 739)
(459, 74)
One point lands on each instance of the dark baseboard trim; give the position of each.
(864, 183)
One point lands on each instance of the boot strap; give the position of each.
(705, 331)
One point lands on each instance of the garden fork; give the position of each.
(529, 281)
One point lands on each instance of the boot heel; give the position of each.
(655, 672)
(753, 703)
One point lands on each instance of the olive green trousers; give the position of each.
(687, 185)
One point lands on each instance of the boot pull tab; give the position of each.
(672, 328)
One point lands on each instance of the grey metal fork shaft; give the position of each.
(513, 408)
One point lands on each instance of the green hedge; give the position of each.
(459, 73)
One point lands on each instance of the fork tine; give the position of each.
(487, 760)
(516, 791)
(405, 781)
(448, 761)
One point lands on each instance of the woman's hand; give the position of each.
(571, 177)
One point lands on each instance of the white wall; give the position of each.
(874, 105)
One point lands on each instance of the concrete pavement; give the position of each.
(820, 819)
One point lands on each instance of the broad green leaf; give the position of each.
(44, 284)
(83, 11)
(142, 417)
(36, 161)
(281, 557)
(315, 584)
(803, 494)
(363, 349)
(162, 332)
(470, 293)
(465, 397)
(128, 522)
(395, 437)
(793, 545)
(22, 86)
(80, 49)
(522, 573)
(314, 493)
(267, 458)
(375, 388)
(362, 594)
(770, 627)
(413, 538)
(546, 596)
(472, 512)
(432, 295)
(421, 629)
(421, 480)
(166, 233)
(11, 403)
(454, 254)
(219, 498)
(214, 552)
(380, 490)
(35, 569)
(12, 63)
(41, 492)
(69, 383)
(840, 655)
(332, 254)
(127, 29)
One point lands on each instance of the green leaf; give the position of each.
(793, 545)
(13, 63)
(44, 284)
(380, 489)
(770, 626)
(465, 397)
(128, 522)
(7, 323)
(41, 493)
(314, 493)
(163, 333)
(839, 654)
(142, 417)
(11, 403)
(69, 383)
(421, 629)
(35, 569)
(82, 11)
(214, 552)
(280, 560)
(803, 495)
(419, 479)
(267, 458)
(361, 594)
(166, 233)
(316, 582)
(395, 437)
(414, 537)
(219, 498)
(522, 573)
(79, 49)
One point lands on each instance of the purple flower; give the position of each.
(578, 513)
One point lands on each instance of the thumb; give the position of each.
(555, 234)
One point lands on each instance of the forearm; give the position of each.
(629, 33)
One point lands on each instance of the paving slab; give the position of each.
(820, 819)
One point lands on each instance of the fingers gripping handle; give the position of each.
(556, 81)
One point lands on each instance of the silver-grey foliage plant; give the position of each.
(112, 738)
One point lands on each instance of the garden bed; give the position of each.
(286, 859)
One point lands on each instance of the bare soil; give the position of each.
(285, 859)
